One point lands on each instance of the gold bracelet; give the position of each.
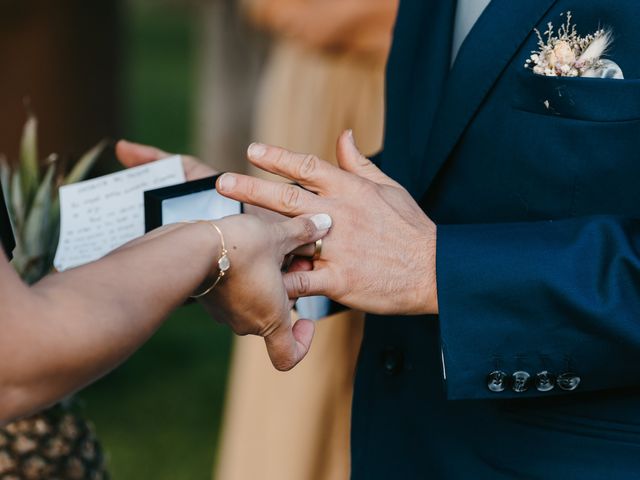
(224, 264)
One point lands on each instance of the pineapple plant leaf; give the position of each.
(33, 201)
(16, 205)
(84, 165)
(29, 167)
(57, 443)
(5, 173)
(37, 232)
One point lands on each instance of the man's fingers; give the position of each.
(302, 230)
(132, 154)
(300, 264)
(351, 160)
(288, 345)
(306, 284)
(307, 170)
(283, 198)
(307, 250)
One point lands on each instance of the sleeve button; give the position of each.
(497, 381)
(521, 381)
(392, 361)
(568, 381)
(545, 382)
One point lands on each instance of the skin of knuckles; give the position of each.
(404, 215)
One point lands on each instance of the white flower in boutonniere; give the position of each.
(567, 54)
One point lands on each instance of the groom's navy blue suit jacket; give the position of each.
(534, 183)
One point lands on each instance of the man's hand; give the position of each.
(380, 254)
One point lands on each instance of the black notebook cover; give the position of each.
(153, 198)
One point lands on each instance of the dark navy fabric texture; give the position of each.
(538, 256)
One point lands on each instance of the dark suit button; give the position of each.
(569, 381)
(497, 381)
(392, 361)
(521, 381)
(545, 382)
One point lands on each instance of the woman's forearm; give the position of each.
(75, 326)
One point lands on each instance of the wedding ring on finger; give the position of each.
(318, 250)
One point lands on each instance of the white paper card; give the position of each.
(101, 214)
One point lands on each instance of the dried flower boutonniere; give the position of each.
(567, 54)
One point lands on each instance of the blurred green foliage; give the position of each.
(159, 414)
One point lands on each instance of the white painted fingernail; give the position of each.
(227, 182)
(257, 150)
(322, 221)
(351, 139)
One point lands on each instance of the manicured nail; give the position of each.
(227, 182)
(322, 221)
(351, 139)
(257, 150)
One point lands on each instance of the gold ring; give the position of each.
(318, 250)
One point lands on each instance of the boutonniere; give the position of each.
(567, 54)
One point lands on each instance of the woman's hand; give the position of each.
(251, 298)
(133, 154)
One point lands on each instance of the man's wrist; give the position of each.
(428, 288)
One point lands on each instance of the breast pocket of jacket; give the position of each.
(587, 99)
(579, 136)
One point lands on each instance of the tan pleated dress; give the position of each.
(295, 425)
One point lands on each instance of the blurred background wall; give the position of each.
(63, 59)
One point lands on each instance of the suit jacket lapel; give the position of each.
(416, 72)
(496, 37)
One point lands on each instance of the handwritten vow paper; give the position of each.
(99, 215)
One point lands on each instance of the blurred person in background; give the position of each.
(230, 58)
(324, 74)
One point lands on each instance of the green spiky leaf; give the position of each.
(17, 205)
(84, 165)
(37, 228)
(5, 175)
(31, 188)
(29, 165)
